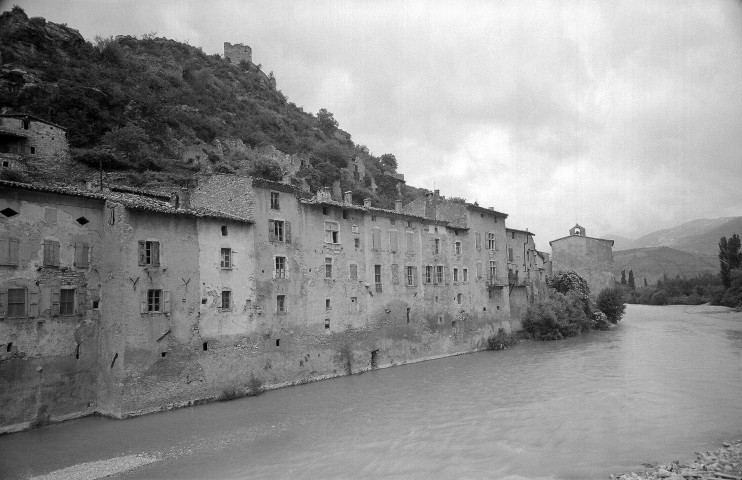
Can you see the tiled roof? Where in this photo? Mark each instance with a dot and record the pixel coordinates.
(582, 236)
(479, 209)
(348, 206)
(129, 200)
(140, 191)
(508, 229)
(270, 184)
(26, 115)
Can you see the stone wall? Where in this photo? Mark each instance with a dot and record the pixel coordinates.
(591, 258)
(237, 53)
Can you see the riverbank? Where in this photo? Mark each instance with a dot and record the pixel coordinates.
(724, 463)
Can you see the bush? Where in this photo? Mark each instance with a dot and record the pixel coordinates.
(610, 302)
(658, 298)
(267, 169)
(565, 282)
(502, 340)
(557, 317)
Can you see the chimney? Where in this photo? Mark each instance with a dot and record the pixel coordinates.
(348, 197)
(323, 194)
(367, 202)
(398, 206)
(431, 201)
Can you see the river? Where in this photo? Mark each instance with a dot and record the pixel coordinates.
(661, 385)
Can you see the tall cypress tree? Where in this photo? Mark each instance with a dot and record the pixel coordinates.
(632, 285)
(724, 262)
(623, 277)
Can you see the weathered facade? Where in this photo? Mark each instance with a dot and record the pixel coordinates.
(125, 302)
(28, 143)
(591, 258)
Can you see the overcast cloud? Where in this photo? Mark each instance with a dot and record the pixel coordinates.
(623, 116)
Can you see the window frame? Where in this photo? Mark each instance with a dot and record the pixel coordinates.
(491, 241)
(457, 247)
(275, 200)
(280, 272)
(23, 303)
(70, 303)
(226, 294)
(281, 304)
(332, 229)
(154, 300)
(328, 268)
(226, 262)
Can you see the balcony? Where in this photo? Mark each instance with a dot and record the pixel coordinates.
(492, 282)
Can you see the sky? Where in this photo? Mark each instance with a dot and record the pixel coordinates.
(624, 117)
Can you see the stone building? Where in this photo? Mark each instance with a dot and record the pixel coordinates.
(591, 258)
(28, 143)
(124, 302)
(523, 276)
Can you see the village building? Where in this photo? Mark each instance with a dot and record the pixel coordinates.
(523, 277)
(591, 258)
(28, 143)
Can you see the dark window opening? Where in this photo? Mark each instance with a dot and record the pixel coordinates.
(453, 324)
(374, 359)
(206, 346)
(357, 242)
(325, 210)
(33, 150)
(9, 347)
(278, 342)
(408, 314)
(82, 220)
(275, 202)
(484, 309)
(327, 303)
(8, 212)
(6, 163)
(96, 304)
(164, 354)
(77, 352)
(498, 307)
(203, 301)
(327, 323)
(224, 231)
(345, 214)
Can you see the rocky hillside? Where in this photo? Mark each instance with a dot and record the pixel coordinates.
(154, 110)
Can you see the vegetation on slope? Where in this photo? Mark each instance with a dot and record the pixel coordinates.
(162, 110)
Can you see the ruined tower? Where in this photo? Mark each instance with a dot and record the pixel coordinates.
(237, 53)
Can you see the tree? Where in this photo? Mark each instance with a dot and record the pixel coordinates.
(631, 283)
(327, 121)
(623, 277)
(565, 282)
(645, 281)
(610, 302)
(389, 161)
(729, 258)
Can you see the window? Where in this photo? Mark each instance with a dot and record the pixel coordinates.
(357, 242)
(325, 211)
(9, 251)
(459, 298)
(225, 232)
(328, 267)
(439, 274)
(327, 304)
(512, 234)
(457, 248)
(393, 241)
(226, 299)
(491, 242)
(377, 277)
(279, 231)
(149, 253)
(428, 274)
(354, 228)
(479, 269)
(226, 262)
(376, 239)
(280, 303)
(455, 274)
(275, 205)
(410, 242)
(280, 267)
(332, 234)
(478, 240)
(82, 255)
(411, 274)
(353, 271)
(437, 245)
(16, 302)
(51, 253)
(354, 305)
(393, 221)
(409, 223)
(395, 274)
(493, 270)
(82, 221)
(8, 212)
(510, 254)
(327, 323)
(465, 275)
(345, 214)
(67, 301)
(154, 300)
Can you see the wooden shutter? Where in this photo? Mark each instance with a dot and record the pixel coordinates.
(155, 254)
(82, 299)
(55, 298)
(84, 261)
(55, 255)
(287, 231)
(142, 256)
(13, 244)
(447, 275)
(47, 253)
(4, 252)
(414, 276)
(143, 301)
(275, 260)
(271, 230)
(394, 240)
(33, 304)
(3, 302)
(377, 238)
(166, 301)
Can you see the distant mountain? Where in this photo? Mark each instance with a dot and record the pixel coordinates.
(621, 243)
(655, 262)
(697, 236)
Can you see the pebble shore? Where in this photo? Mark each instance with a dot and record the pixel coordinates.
(722, 464)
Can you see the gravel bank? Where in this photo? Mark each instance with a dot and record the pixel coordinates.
(99, 469)
(722, 464)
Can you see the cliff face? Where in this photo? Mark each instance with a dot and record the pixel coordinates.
(156, 111)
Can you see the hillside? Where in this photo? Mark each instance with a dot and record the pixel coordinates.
(654, 263)
(154, 111)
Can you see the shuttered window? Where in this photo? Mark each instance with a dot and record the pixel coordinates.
(410, 242)
(376, 239)
(67, 301)
(51, 253)
(149, 253)
(82, 255)
(279, 231)
(393, 241)
(9, 251)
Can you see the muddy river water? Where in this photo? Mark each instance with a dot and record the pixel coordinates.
(660, 386)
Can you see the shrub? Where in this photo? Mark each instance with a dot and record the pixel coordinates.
(14, 176)
(658, 298)
(610, 302)
(502, 340)
(255, 386)
(266, 168)
(565, 282)
(557, 317)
